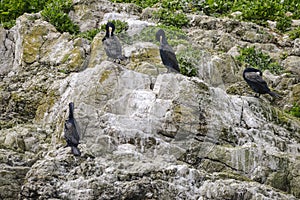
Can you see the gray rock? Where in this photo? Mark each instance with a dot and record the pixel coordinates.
(7, 51)
(291, 64)
(139, 124)
(296, 48)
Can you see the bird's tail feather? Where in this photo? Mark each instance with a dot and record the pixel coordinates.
(121, 57)
(75, 151)
(273, 94)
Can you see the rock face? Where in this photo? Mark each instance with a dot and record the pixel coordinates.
(145, 134)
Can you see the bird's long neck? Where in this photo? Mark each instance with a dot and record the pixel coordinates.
(71, 111)
(163, 40)
(109, 32)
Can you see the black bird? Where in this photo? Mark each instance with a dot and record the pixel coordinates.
(112, 45)
(167, 54)
(72, 132)
(254, 79)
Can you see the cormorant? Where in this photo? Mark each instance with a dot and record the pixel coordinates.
(167, 54)
(112, 45)
(72, 131)
(254, 79)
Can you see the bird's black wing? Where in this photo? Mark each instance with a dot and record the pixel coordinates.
(71, 134)
(113, 47)
(168, 57)
(256, 82)
(255, 77)
(77, 127)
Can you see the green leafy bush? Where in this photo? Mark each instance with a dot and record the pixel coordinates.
(283, 24)
(188, 61)
(170, 13)
(261, 11)
(216, 8)
(171, 18)
(90, 34)
(293, 34)
(257, 59)
(186, 67)
(257, 11)
(56, 13)
(295, 110)
(10, 10)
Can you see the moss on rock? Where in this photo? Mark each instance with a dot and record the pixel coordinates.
(45, 104)
(279, 180)
(32, 43)
(105, 75)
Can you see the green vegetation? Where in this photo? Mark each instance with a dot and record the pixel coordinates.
(171, 13)
(295, 110)
(56, 13)
(171, 18)
(257, 11)
(12, 9)
(252, 57)
(186, 67)
(284, 23)
(294, 33)
(90, 34)
(188, 61)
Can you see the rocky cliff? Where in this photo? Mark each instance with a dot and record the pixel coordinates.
(146, 134)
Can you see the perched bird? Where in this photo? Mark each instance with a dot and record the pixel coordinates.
(111, 43)
(72, 132)
(254, 79)
(167, 54)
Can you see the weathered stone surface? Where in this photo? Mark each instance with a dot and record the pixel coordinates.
(20, 148)
(41, 55)
(88, 14)
(145, 134)
(292, 65)
(6, 50)
(296, 47)
(145, 141)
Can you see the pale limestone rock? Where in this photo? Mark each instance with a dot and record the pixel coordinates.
(291, 63)
(6, 52)
(296, 47)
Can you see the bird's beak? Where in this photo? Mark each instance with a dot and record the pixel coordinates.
(110, 30)
(160, 39)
